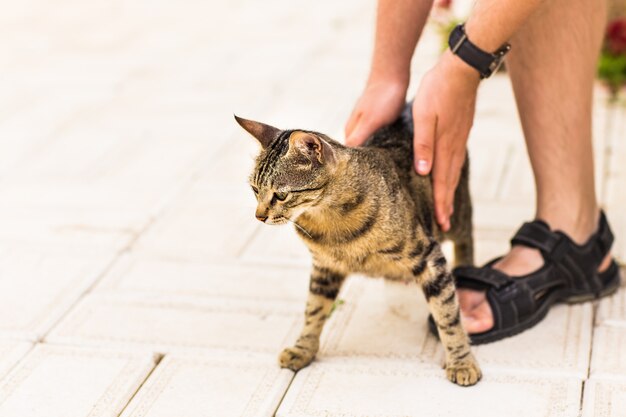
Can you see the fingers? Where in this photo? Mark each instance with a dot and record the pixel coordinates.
(425, 127)
(381, 104)
(351, 123)
(359, 133)
(446, 174)
(440, 190)
(363, 128)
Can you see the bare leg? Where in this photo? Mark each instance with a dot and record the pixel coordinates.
(552, 67)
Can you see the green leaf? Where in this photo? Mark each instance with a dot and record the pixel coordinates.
(612, 70)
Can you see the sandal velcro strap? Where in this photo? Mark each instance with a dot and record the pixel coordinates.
(555, 245)
(472, 277)
(604, 236)
(537, 235)
(489, 277)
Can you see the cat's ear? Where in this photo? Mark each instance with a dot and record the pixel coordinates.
(314, 148)
(265, 134)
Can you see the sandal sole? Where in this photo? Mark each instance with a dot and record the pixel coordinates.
(611, 288)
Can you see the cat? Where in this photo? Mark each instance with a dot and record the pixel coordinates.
(364, 210)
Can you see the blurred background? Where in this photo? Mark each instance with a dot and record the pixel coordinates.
(134, 278)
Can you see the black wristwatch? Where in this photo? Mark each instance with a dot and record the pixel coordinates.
(485, 63)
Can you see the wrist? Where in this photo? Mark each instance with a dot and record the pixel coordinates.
(456, 67)
(484, 39)
(485, 62)
(387, 76)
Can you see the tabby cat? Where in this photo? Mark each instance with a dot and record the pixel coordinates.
(363, 210)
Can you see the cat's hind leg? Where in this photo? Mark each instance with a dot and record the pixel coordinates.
(438, 286)
(462, 231)
(324, 287)
(464, 249)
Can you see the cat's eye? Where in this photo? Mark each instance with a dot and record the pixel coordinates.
(254, 189)
(281, 196)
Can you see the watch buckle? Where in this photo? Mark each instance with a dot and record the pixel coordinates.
(498, 59)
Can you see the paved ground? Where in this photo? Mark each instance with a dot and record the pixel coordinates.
(134, 279)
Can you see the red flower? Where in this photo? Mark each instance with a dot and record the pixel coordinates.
(443, 4)
(616, 36)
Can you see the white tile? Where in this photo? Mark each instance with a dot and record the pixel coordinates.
(59, 213)
(134, 273)
(131, 156)
(615, 153)
(487, 168)
(38, 285)
(166, 323)
(10, 353)
(500, 215)
(486, 249)
(517, 183)
(612, 310)
(499, 101)
(559, 345)
(388, 320)
(604, 398)
(617, 220)
(233, 161)
(609, 352)
(204, 224)
(619, 227)
(55, 381)
(276, 245)
(104, 198)
(27, 102)
(201, 385)
(405, 389)
(379, 319)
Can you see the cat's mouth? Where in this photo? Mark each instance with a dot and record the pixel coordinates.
(275, 221)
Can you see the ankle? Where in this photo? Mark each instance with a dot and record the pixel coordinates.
(578, 225)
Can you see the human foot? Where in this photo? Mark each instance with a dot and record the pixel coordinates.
(476, 314)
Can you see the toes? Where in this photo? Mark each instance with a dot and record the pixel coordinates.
(464, 377)
(470, 299)
(295, 358)
(465, 374)
(474, 325)
(477, 320)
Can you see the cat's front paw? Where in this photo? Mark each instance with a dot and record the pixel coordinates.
(464, 373)
(295, 358)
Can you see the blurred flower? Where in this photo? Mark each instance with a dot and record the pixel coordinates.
(616, 36)
(443, 4)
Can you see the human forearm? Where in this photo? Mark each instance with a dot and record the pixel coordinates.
(399, 24)
(493, 22)
(445, 103)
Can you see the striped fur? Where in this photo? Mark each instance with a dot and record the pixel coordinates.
(364, 210)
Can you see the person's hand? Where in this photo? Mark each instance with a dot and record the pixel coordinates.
(443, 113)
(381, 104)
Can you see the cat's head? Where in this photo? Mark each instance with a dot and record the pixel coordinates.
(291, 172)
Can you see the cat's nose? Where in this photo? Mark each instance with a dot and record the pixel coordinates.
(261, 218)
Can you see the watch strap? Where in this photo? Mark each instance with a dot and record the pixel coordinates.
(484, 62)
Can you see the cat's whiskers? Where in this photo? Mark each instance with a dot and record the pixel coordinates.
(298, 226)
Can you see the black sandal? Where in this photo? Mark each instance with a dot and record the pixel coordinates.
(569, 274)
